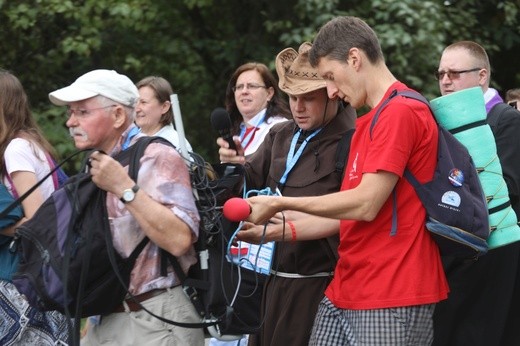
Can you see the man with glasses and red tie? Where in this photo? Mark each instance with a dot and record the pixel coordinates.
(483, 307)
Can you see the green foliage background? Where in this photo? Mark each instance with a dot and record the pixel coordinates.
(197, 44)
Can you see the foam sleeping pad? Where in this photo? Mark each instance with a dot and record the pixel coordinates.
(465, 107)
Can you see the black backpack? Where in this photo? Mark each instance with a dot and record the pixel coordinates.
(457, 214)
(66, 248)
(212, 283)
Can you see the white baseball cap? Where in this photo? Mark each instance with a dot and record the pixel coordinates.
(107, 83)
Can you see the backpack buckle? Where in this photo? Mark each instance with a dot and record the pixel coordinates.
(190, 292)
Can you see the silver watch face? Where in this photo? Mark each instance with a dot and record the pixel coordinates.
(128, 195)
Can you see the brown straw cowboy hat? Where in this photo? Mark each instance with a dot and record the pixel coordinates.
(295, 73)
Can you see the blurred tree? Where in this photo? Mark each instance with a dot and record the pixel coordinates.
(197, 44)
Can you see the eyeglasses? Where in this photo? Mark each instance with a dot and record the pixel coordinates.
(250, 86)
(439, 75)
(82, 113)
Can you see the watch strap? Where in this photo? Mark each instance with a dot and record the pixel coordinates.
(134, 189)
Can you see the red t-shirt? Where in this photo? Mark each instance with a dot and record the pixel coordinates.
(377, 269)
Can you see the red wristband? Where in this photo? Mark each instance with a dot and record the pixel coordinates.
(293, 230)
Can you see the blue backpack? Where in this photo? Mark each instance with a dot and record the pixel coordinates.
(455, 203)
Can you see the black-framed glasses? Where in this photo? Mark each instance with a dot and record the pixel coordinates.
(249, 86)
(453, 74)
(513, 104)
(82, 112)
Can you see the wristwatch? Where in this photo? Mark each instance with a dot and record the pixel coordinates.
(129, 194)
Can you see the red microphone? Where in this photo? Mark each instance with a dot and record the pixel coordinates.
(236, 209)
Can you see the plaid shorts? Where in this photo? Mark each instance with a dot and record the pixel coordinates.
(402, 326)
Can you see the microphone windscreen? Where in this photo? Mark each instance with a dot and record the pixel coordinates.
(220, 120)
(236, 209)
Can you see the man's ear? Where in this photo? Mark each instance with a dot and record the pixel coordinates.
(120, 116)
(354, 58)
(483, 77)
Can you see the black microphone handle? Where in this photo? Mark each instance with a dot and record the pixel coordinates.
(222, 123)
(229, 138)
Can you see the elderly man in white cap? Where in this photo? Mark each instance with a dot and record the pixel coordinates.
(300, 158)
(100, 108)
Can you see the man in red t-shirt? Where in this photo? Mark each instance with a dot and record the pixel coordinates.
(385, 284)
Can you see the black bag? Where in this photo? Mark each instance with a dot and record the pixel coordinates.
(233, 294)
(65, 246)
(457, 213)
(227, 302)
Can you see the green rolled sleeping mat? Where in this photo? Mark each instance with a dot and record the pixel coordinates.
(460, 109)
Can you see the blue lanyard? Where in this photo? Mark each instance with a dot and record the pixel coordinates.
(293, 157)
(131, 134)
(245, 141)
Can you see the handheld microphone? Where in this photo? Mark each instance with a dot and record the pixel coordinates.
(221, 122)
(236, 209)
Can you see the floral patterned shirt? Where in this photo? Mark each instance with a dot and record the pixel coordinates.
(164, 176)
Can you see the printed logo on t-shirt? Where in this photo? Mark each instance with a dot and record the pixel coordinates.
(353, 172)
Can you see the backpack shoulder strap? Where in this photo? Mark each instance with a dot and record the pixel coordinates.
(20, 199)
(406, 93)
(496, 113)
(133, 154)
(409, 94)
